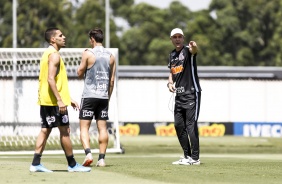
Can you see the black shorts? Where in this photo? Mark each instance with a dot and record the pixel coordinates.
(187, 107)
(94, 108)
(51, 117)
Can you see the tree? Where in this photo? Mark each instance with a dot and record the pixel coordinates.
(89, 15)
(248, 32)
(147, 42)
(232, 33)
(33, 18)
(6, 36)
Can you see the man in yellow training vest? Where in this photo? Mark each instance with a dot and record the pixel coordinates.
(53, 98)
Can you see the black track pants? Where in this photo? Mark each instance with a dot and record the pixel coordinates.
(185, 117)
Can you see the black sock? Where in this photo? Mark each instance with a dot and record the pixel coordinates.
(101, 156)
(36, 159)
(87, 150)
(71, 160)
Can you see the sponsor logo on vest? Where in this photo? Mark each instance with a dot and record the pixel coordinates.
(98, 77)
(101, 86)
(102, 72)
(87, 113)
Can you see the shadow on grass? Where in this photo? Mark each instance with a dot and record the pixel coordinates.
(60, 170)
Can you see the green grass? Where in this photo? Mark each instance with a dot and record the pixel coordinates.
(147, 159)
(226, 144)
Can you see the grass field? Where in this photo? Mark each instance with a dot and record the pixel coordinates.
(147, 159)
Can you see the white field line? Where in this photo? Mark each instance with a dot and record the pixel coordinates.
(241, 156)
(56, 152)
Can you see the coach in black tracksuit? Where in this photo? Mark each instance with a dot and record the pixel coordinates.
(184, 81)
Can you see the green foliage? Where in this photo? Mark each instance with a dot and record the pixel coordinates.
(231, 33)
(6, 38)
(89, 15)
(247, 30)
(33, 17)
(120, 7)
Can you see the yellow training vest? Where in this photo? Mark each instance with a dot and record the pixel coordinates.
(45, 93)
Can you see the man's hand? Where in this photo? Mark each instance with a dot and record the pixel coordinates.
(171, 87)
(62, 107)
(74, 104)
(193, 48)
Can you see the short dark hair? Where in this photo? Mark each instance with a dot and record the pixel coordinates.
(49, 33)
(97, 34)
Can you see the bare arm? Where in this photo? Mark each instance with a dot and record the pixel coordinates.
(170, 83)
(193, 48)
(112, 76)
(83, 65)
(53, 66)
